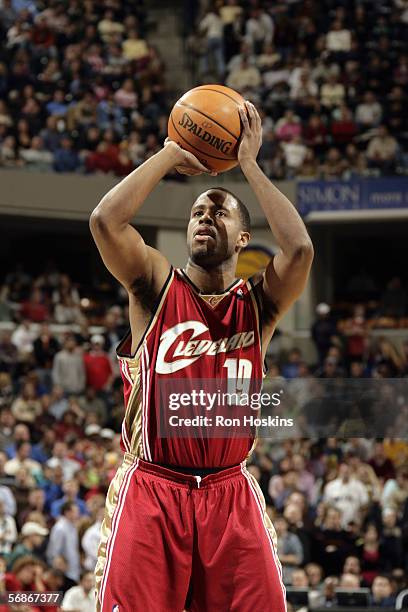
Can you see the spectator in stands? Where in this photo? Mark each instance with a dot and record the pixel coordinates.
(348, 494)
(290, 549)
(332, 92)
(211, 27)
(245, 78)
(368, 112)
(338, 41)
(31, 542)
(70, 489)
(68, 370)
(8, 531)
(259, 29)
(26, 407)
(65, 158)
(382, 151)
(98, 367)
(381, 593)
(22, 459)
(81, 597)
(63, 540)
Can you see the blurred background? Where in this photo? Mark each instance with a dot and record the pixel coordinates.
(86, 88)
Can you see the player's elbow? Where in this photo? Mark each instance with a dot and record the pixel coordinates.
(303, 252)
(99, 221)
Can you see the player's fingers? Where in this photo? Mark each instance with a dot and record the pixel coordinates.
(244, 118)
(187, 171)
(250, 109)
(257, 116)
(194, 163)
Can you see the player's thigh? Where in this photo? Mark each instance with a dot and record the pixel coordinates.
(148, 554)
(235, 565)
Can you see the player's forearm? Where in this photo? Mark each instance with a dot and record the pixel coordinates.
(123, 201)
(283, 218)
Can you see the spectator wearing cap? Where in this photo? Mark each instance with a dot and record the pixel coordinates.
(81, 597)
(70, 488)
(68, 369)
(64, 541)
(31, 541)
(98, 367)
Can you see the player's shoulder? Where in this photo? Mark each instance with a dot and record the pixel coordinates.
(266, 305)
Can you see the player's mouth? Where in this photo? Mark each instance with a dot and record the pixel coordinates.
(203, 234)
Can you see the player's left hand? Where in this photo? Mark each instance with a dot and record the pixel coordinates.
(251, 137)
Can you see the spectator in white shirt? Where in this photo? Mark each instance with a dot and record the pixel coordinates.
(347, 494)
(81, 598)
(369, 112)
(332, 93)
(259, 29)
(382, 150)
(90, 541)
(338, 39)
(212, 28)
(295, 153)
(244, 78)
(8, 531)
(23, 339)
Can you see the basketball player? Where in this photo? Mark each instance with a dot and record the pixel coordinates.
(185, 514)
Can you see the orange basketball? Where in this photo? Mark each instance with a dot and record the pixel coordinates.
(206, 122)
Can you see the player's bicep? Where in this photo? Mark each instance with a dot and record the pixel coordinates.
(125, 253)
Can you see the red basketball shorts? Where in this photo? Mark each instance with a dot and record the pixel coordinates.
(164, 531)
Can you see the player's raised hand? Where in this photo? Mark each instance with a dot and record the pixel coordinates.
(251, 137)
(185, 162)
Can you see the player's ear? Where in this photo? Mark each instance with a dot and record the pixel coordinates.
(243, 239)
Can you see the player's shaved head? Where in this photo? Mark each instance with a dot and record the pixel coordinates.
(219, 194)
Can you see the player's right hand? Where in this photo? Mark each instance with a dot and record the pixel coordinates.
(186, 162)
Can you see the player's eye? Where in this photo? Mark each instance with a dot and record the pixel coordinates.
(220, 213)
(198, 213)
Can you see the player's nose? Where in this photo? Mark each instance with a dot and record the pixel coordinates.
(206, 218)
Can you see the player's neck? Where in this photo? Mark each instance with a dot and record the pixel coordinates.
(212, 280)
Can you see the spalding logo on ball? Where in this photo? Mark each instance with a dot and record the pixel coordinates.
(206, 122)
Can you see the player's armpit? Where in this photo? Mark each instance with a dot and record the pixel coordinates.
(125, 253)
(285, 278)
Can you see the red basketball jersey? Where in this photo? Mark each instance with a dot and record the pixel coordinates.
(191, 337)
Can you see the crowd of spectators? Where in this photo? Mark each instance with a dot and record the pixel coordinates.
(339, 503)
(330, 78)
(81, 89)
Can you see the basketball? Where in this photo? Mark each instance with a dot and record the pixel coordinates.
(206, 122)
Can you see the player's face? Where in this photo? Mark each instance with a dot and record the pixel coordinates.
(215, 230)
